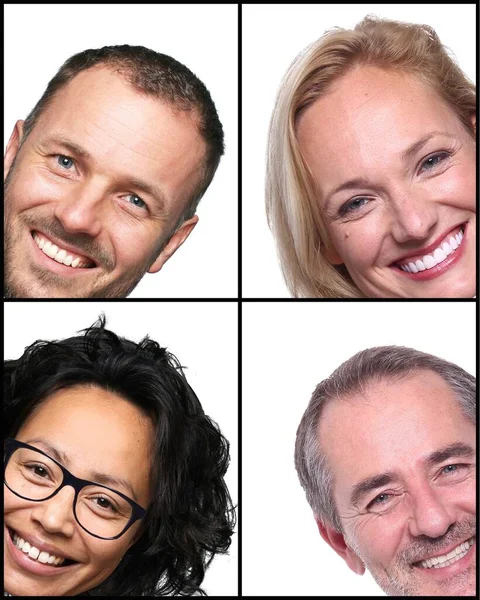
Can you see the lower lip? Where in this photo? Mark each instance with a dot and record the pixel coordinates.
(29, 564)
(53, 265)
(453, 569)
(445, 265)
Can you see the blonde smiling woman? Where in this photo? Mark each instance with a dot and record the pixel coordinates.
(370, 186)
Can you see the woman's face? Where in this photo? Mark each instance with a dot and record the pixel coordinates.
(97, 432)
(394, 172)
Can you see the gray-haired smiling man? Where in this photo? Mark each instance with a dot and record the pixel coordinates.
(386, 455)
(103, 178)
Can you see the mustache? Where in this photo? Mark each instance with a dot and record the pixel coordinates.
(81, 241)
(426, 546)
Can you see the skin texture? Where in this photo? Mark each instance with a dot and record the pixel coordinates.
(360, 129)
(91, 203)
(393, 427)
(98, 430)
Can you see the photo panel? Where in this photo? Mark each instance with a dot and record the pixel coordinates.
(158, 150)
(339, 147)
(288, 348)
(203, 337)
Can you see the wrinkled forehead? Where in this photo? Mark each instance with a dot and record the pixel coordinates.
(390, 426)
(125, 130)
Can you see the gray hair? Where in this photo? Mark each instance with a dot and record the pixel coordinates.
(373, 364)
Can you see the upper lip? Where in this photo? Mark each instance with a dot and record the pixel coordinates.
(33, 540)
(64, 246)
(429, 248)
(443, 552)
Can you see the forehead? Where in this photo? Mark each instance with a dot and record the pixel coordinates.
(97, 430)
(392, 426)
(125, 130)
(368, 114)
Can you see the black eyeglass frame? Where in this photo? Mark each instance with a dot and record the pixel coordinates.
(138, 512)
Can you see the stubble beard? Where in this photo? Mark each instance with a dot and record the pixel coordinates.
(46, 284)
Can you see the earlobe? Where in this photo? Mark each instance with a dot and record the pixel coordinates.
(336, 540)
(173, 244)
(12, 147)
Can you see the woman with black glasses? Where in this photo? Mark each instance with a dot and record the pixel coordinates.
(113, 474)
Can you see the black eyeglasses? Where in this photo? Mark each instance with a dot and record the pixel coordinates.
(100, 511)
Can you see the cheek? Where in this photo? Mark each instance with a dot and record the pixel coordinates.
(359, 243)
(31, 187)
(459, 189)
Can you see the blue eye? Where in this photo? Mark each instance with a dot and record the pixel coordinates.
(64, 161)
(136, 201)
(380, 499)
(353, 205)
(433, 161)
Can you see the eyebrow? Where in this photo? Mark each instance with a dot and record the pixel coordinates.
(153, 190)
(96, 476)
(361, 489)
(406, 155)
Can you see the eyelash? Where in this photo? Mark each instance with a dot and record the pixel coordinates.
(59, 157)
(459, 467)
(349, 205)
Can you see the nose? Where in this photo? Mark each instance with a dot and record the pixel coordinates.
(413, 216)
(82, 210)
(432, 516)
(56, 515)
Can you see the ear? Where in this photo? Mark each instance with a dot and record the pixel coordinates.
(12, 147)
(174, 242)
(473, 119)
(336, 541)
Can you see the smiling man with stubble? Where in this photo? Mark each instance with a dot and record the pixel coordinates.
(103, 178)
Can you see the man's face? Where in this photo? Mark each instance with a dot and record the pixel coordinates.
(100, 437)
(103, 177)
(413, 434)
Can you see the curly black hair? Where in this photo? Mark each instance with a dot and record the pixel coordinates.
(191, 516)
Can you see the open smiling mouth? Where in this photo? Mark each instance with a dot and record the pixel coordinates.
(445, 560)
(37, 555)
(60, 255)
(448, 247)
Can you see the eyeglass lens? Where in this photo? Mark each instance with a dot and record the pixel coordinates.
(34, 476)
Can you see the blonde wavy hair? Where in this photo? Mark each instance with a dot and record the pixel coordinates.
(292, 210)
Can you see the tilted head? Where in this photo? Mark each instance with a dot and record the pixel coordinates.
(386, 455)
(122, 414)
(122, 146)
(348, 107)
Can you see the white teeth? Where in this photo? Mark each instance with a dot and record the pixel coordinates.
(412, 267)
(34, 553)
(439, 562)
(453, 243)
(59, 255)
(429, 261)
(446, 248)
(420, 266)
(439, 255)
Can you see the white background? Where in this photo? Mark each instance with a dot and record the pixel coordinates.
(39, 38)
(273, 35)
(288, 348)
(202, 335)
